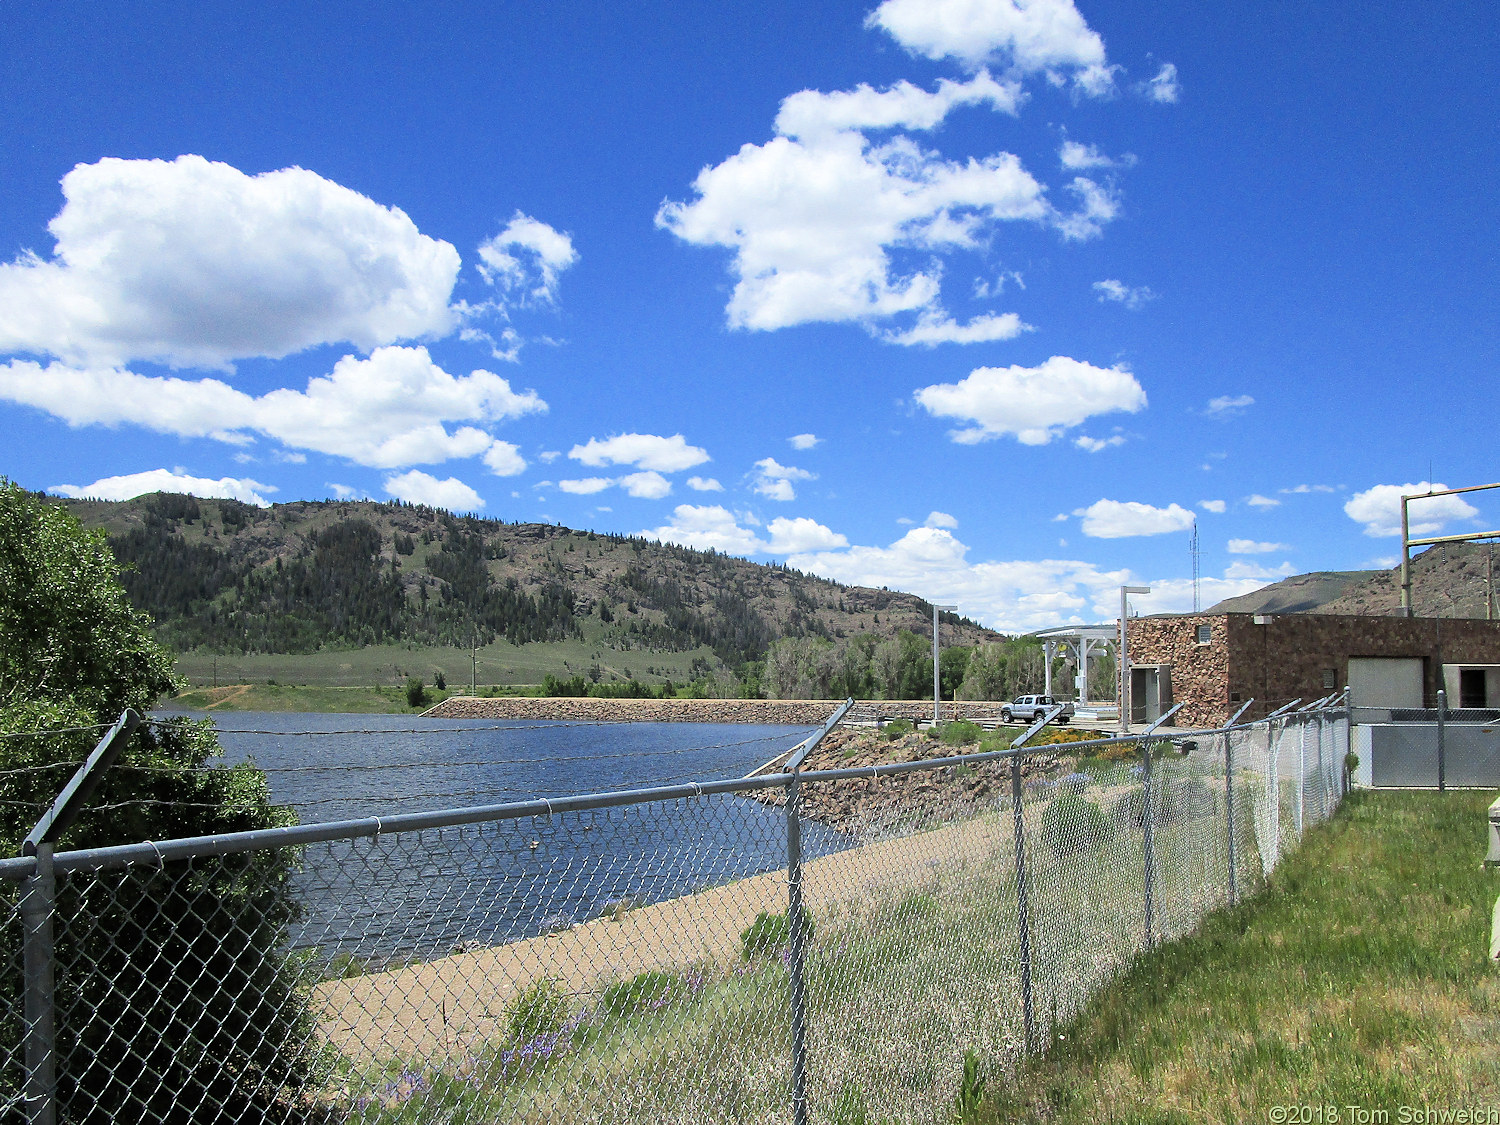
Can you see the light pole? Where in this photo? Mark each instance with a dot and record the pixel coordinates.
(936, 685)
(1125, 700)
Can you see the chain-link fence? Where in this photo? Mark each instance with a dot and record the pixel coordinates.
(824, 945)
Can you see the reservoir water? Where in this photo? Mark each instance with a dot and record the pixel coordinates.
(418, 895)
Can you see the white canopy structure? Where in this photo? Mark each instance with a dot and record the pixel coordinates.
(1082, 640)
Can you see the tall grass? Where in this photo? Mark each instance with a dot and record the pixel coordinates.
(1359, 978)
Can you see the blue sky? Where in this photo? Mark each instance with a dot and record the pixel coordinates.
(988, 300)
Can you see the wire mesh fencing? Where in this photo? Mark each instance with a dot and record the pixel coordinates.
(816, 945)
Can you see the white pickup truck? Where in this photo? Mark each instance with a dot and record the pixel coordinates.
(1029, 708)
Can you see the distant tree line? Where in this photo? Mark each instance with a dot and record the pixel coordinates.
(866, 666)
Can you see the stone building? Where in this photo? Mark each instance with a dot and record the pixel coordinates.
(1215, 662)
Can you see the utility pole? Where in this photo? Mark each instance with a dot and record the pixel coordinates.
(1125, 700)
(473, 666)
(1407, 542)
(936, 676)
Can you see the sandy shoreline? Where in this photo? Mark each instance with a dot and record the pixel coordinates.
(448, 1007)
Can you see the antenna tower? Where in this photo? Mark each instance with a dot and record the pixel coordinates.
(1193, 550)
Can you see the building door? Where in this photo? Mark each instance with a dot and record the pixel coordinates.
(1150, 692)
(1471, 691)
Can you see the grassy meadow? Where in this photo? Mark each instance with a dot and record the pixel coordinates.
(372, 680)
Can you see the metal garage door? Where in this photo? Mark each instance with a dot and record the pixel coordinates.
(1381, 681)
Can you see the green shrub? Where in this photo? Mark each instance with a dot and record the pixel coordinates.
(960, 733)
(195, 1012)
(541, 1009)
(897, 728)
(970, 1098)
(1071, 825)
(416, 691)
(771, 933)
(642, 992)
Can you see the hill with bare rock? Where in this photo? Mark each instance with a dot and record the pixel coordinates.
(307, 576)
(1302, 593)
(1448, 580)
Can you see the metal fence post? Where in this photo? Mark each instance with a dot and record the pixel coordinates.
(1273, 785)
(796, 966)
(1023, 906)
(1301, 772)
(38, 904)
(38, 910)
(1322, 788)
(1150, 838)
(1442, 710)
(1234, 895)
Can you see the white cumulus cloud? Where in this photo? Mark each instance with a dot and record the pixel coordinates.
(1032, 404)
(1132, 297)
(1049, 36)
(774, 480)
(789, 536)
(1215, 506)
(707, 526)
(646, 485)
(704, 484)
(417, 487)
(1080, 157)
(804, 441)
(193, 263)
(940, 519)
(1096, 445)
(388, 411)
(1012, 595)
(1117, 519)
(932, 329)
(1379, 509)
(131, 485)
(810, 113)
(1226, 406)
(504, 459)
(1252, 547)
(587, 486)
(1264, 503)
(526, 258)
(812, 224)
(644, 451)
(1164, 87)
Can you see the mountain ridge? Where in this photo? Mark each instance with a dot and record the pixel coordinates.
(309, 575)
(1448, 580)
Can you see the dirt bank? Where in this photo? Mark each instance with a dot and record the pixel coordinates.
(450, 1006)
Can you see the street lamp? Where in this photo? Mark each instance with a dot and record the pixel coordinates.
(936, 690)
(1125, 700)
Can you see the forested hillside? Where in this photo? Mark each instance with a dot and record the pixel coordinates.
(295, 578)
